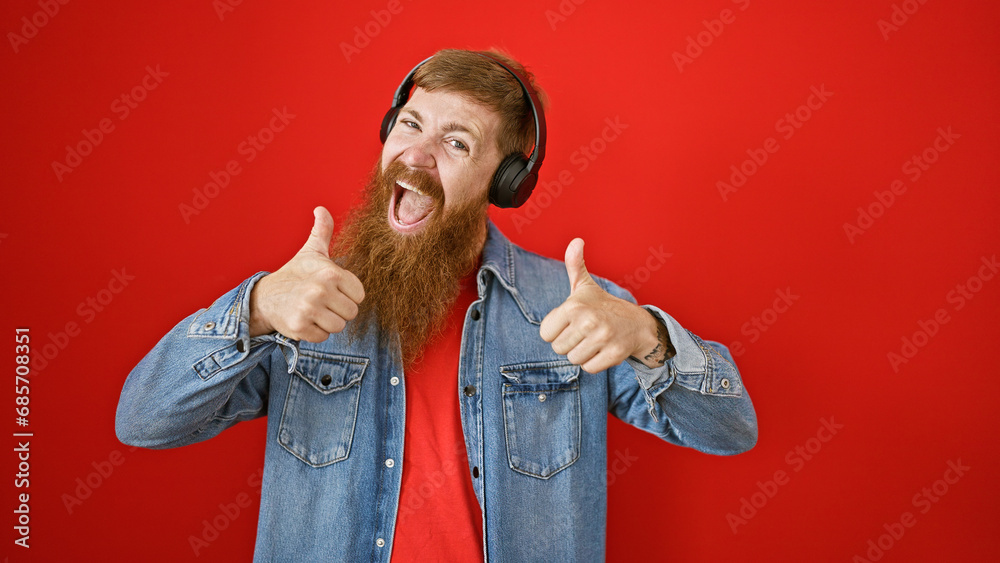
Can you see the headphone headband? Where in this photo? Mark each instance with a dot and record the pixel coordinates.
(538, 151)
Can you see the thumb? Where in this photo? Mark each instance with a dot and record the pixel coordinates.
(575, 267)
(322, 232)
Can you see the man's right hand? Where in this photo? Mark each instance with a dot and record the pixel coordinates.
(310, 297)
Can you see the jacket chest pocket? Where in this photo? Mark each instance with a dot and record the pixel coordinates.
(541, 416)
(321, 407)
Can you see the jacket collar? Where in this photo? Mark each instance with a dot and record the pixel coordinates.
(498, 257)
(536, 284)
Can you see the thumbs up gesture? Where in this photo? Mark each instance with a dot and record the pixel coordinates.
(310, 297)
(593, 328)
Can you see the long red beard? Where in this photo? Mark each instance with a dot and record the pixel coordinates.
(410, 281)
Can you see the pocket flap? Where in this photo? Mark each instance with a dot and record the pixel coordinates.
(327, 373)
(541, 373)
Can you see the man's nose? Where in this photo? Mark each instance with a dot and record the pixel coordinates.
(420, 154)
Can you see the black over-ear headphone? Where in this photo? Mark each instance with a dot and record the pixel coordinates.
(517, 174)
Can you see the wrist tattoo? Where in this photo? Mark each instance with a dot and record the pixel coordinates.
(664, 350)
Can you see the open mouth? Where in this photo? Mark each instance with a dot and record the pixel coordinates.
(409, 208)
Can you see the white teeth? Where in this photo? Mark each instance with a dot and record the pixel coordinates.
(409, 187)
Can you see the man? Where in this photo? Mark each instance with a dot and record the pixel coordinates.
(373, 451)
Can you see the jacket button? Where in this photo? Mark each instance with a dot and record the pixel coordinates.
(380, 542)
(240, 347)
(541, 397)
(475, 472)
(725, 384)
(394, 380)
(209, 326)
(389, 462)
(475, 314)
(469, 390)
(326, 380)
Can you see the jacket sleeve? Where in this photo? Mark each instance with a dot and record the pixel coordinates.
(696, 399)
(204, 376)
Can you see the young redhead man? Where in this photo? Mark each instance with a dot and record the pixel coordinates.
(434, 392)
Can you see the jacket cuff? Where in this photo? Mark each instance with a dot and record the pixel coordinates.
(228, 318)
(697, 366)
(688, 357)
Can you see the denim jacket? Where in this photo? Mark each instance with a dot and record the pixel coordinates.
(535, 425)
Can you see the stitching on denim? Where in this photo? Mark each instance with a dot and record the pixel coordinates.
(297, 378)
(533, 468)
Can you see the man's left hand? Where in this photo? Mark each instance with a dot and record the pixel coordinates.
(597, 330)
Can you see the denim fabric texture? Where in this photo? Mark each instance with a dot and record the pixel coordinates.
(535, 425)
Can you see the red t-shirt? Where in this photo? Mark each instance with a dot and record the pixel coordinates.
(439, 517)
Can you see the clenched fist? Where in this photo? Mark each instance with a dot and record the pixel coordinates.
(597, 330)
(310, 297)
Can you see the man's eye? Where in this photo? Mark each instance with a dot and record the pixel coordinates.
(459, 145)
(412, 124)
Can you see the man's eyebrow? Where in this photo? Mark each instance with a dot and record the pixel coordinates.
(449, 127)
(455, 126)
(414, 112)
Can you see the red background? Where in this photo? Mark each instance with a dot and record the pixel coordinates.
(654, 185)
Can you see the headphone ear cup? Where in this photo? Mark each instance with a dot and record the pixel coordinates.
(387, 122)
(524, 189)
(509, 187)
